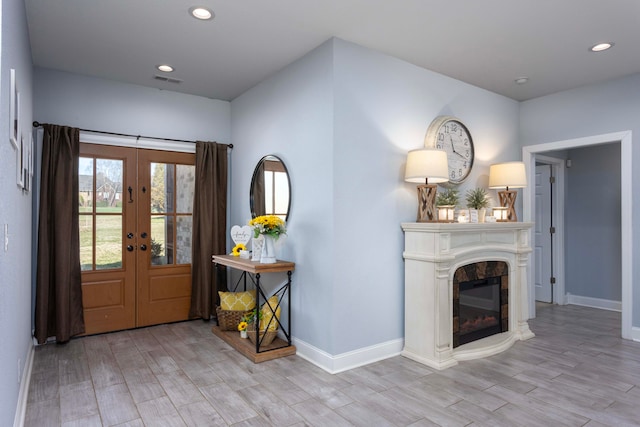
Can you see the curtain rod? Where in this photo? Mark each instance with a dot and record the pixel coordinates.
(37, 124)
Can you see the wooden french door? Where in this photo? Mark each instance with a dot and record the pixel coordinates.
(135, 236)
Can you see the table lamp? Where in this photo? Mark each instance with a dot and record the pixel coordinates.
(505, 175)
(430, 166)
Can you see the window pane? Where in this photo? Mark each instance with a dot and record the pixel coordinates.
(108, 242)
(162, 187)
(268, 192)
(183, 239)
(185, 184)
(109, 175)
(162, 246)
(85, 178)
(281, 184)
(86, 242)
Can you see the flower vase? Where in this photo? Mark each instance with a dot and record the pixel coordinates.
(268, 255)
(243, 334)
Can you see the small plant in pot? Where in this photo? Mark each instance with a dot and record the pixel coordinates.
(446, 202)
(478, 199)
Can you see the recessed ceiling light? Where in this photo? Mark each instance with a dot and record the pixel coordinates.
(601, 46)
(165, 68)
(521, 80)
(201, 12)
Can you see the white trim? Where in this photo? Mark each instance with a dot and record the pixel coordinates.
(626, 203)
(635, 333)
(136, 142)
(603, 304)
(23, 395)
(349, 360)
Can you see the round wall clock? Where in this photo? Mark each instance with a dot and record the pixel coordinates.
(450, 134)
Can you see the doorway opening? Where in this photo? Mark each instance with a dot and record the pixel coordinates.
(530, 154)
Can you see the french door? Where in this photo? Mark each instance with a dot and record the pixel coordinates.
(135, 236)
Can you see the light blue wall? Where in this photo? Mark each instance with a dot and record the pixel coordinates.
(592, 223)
(612, 106)
(15, 211)
(291, 115)
(97, 104)
(344, 118)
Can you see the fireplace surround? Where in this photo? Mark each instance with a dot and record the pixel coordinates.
(433, 253)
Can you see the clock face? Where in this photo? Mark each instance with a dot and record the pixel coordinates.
(454, 137)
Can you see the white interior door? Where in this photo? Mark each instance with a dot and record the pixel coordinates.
(543, 243)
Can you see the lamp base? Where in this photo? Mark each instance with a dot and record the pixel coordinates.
(508, 200)
(427, 202)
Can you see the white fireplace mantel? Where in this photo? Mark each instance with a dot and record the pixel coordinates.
(432, 254)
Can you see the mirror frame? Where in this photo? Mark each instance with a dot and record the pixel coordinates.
(254, 178)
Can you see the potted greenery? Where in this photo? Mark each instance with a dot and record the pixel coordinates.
(446, 202)
(478, 199)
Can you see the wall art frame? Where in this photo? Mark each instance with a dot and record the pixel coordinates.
(14, 112)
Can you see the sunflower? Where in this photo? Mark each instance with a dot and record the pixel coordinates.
(242, 326)
(237, 248)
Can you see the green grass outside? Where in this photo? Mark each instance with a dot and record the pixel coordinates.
(109, 237)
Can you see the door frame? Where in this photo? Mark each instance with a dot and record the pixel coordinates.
(557, 216)
(529, 154)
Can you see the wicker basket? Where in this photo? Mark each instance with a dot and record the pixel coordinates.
(228, 319)
(269, 336)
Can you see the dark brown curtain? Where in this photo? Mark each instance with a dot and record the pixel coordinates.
(58, 284)
(209, 227)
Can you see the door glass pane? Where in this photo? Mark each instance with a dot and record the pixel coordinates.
(183, 239)
(85, 178)
(109, 175)
(162, 245)
(108, 242)
(86, 242)
(185, 184)
(162, 187)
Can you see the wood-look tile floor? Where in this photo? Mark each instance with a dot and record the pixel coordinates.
(575, 372)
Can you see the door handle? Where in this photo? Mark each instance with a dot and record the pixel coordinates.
(143, 235)
(130, 235)
(130, 248)
(143, 247)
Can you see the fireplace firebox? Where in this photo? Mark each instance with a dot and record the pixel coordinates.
(480, 301)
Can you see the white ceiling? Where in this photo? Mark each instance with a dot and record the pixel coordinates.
(487, 43)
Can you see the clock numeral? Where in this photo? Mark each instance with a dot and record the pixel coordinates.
(466, 141)
(454, 127)
(453, 174)
(459, 172)
(467, 154)
(441, 136)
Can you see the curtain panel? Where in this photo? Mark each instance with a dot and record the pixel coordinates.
(58, 311)
(209, 227)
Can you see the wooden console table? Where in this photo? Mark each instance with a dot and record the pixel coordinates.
(279, 347)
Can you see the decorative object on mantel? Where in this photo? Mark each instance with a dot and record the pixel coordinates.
(238, 248)
(478, 199)
(430, 166)
(270, 227)
(446, 202)
(505, 175)
(500, 213)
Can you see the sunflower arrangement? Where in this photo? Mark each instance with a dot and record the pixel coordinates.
(237, 248)
(242, 326)
(271, 225)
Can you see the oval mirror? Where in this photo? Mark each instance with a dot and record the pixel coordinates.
(270, 192)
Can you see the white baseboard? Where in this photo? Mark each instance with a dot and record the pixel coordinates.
(603, 304)
(352, 359)
(635, 333)
(21, 408)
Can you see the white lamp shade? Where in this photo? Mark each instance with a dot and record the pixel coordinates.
(427, 163)
(510, 174)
